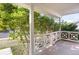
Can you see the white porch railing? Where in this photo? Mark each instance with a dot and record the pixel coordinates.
(69, 35)
(47, 40)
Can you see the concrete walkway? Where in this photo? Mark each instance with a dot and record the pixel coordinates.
(6, 51)
(62, 48)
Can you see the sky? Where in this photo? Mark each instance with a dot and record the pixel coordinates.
(72, 18)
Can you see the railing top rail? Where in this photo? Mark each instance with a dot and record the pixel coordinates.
(66, 31)
(70, 31)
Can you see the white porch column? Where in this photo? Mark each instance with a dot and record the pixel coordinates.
(31, 23)
(59, 35)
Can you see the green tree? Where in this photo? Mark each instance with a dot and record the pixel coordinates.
(68, 26)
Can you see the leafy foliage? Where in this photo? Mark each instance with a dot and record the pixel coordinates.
(69, 27)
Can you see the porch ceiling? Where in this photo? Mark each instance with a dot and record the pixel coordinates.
(57, 9)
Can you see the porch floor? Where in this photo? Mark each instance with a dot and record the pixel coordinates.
(62, 48)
